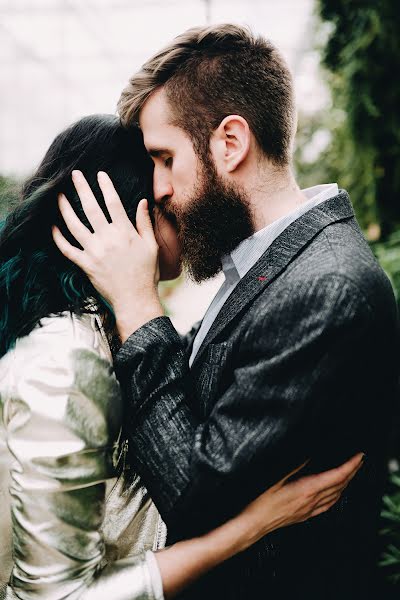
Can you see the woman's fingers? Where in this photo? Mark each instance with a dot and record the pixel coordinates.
(324, 498)
(324, 507)
(297, 501)
(303, 497)
(338, 476)
(334, 479)
(91, 208)
(67, 249)
(330, 496)
(79, 231)
(144, 224)
(334, 490)
(341, 485)
(112, 200)
(289, 475)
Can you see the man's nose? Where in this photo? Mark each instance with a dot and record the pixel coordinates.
(162, 188)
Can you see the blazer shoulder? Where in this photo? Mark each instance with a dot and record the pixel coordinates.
(341, 252)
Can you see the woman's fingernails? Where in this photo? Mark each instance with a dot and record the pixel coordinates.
(101, 174)
(76, 174)
(61, 197)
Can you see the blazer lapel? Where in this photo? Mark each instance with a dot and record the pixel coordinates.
(276, 258)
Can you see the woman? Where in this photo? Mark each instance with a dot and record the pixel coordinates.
(70, 528)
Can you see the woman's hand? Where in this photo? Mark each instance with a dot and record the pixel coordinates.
(120, 260)
(281, 505)
(287, 503)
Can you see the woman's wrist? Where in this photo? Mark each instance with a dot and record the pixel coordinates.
(240, 532)
(184, 562)
(129, 318)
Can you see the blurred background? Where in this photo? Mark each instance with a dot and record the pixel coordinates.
(62, 59)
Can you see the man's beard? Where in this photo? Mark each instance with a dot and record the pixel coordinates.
(214, 220)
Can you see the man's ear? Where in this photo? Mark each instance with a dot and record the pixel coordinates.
(230, 143)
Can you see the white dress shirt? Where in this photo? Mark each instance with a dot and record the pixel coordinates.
(244, 257)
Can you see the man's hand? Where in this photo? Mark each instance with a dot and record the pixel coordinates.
(120, 261)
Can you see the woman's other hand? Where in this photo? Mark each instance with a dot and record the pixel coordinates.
(283, 504)
(289, 502)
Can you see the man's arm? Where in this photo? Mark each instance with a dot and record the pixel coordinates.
(284, 378)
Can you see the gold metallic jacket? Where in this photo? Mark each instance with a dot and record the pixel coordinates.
(67, 527)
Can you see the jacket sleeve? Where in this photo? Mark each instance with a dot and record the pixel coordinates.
(261, 426)
(61, 423)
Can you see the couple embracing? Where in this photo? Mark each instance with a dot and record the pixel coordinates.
(137, 464)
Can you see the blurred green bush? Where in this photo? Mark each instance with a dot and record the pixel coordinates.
(9, 194)
(390, 533)
(359, 42)
(361, 58)
(388, 254)
(361, 131)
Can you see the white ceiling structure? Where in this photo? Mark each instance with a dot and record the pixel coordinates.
(61, 59)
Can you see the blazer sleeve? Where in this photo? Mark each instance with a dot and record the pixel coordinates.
(283, 373)
(61, 421)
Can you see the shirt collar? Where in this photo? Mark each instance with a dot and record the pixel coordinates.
(229, 269)
(236, 264)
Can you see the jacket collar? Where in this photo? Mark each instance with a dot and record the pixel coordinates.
(246, 254)
(276, 258)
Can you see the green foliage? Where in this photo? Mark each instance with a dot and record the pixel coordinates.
(390, 533)
(339, 161)
(166, 290)
(388, 254)
(362, 61)
(9, 195)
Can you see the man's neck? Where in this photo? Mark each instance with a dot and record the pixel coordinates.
(274, 196)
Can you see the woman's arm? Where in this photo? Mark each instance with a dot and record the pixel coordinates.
(281, 505)
(62, 418)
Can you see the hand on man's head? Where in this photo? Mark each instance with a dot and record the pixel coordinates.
(120, 260)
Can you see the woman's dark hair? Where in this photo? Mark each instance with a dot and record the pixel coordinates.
(36, 280)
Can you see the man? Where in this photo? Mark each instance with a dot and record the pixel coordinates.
(294, 359)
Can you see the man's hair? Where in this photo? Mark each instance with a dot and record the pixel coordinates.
(209, 73)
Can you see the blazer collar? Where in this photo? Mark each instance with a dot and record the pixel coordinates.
(276, 258)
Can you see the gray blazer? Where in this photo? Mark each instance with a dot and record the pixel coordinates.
(299, 364)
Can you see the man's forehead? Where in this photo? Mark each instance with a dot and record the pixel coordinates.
(157, 139)
(160, 139)
(154, 111)
(154, 122)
